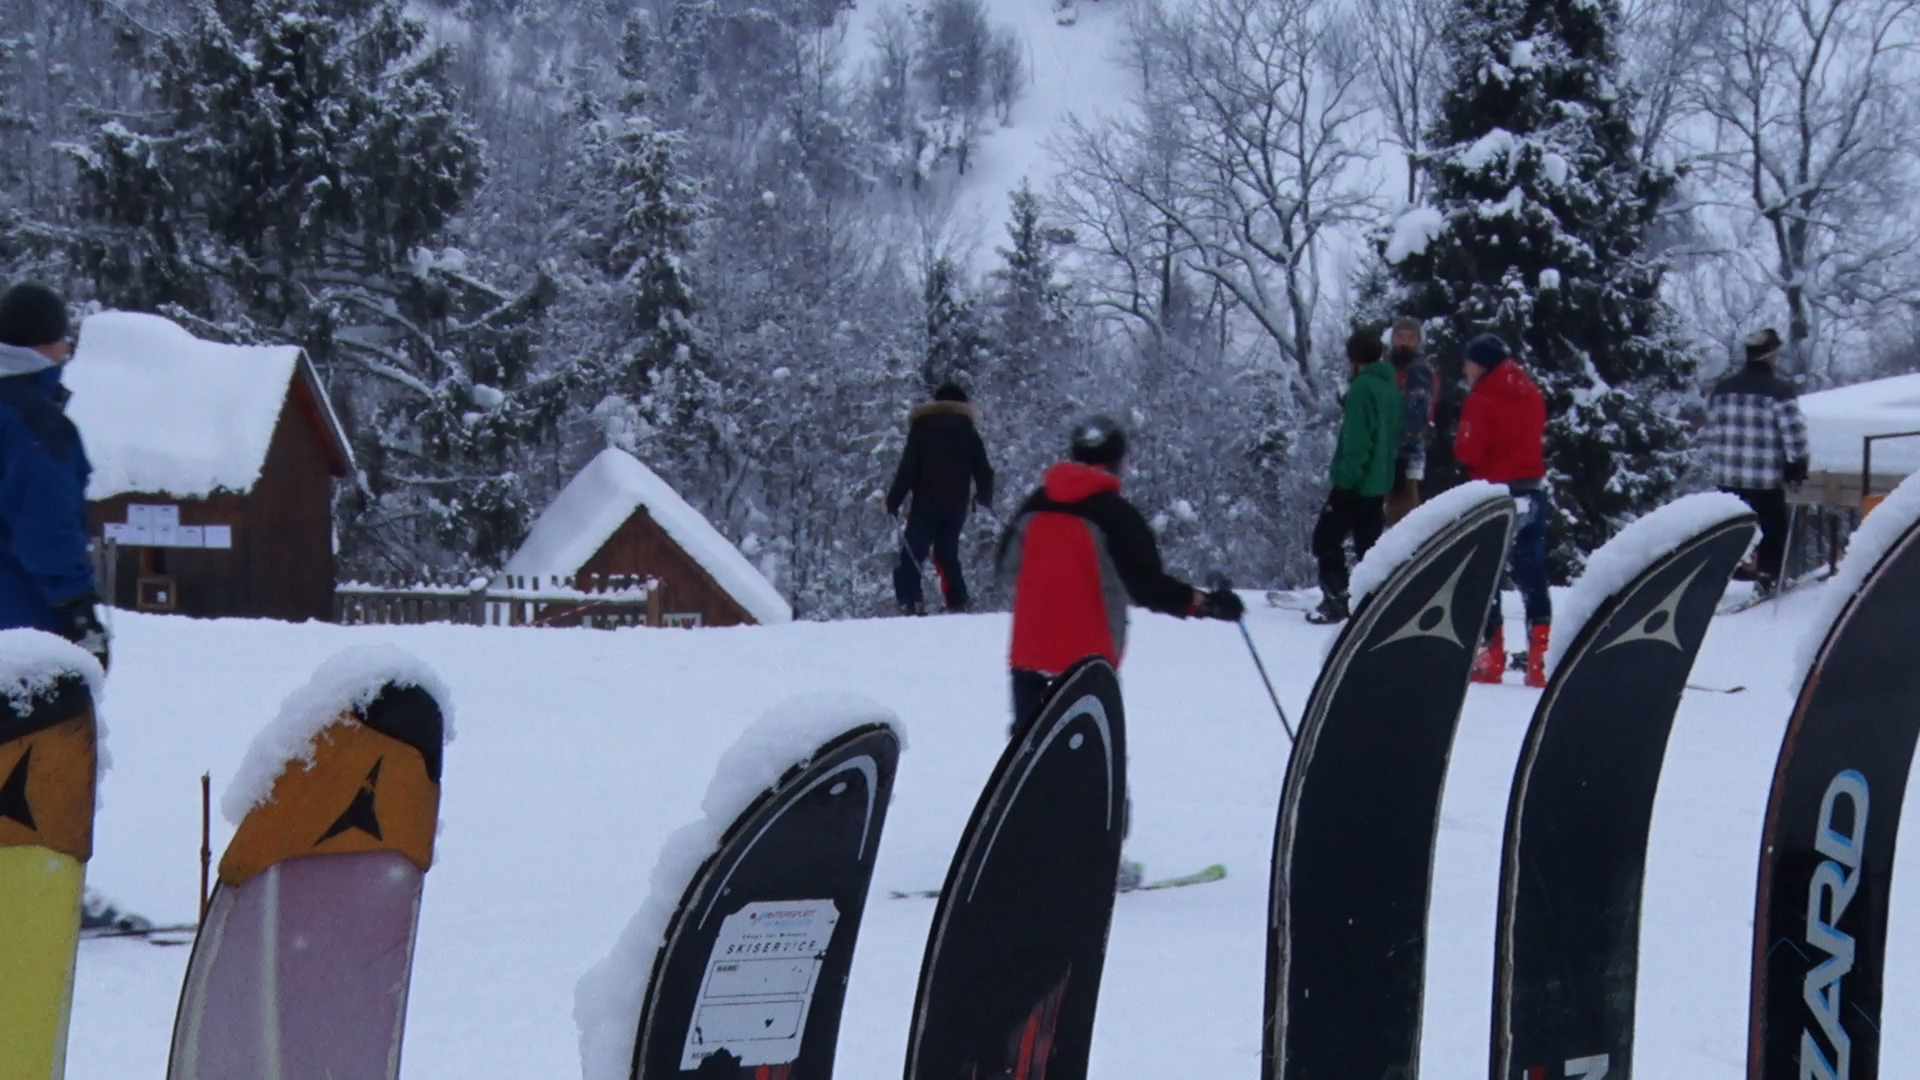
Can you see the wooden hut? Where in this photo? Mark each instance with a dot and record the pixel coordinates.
(617, 518)
(213, 470)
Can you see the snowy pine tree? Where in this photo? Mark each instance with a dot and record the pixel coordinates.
(955, 345)
(1537, 231)
(295, 181)
(1034, 309)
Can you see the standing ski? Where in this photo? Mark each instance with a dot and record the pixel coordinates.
(1011, 977)
(303, 965)
(1826, 853)
(1567, 941)
(752, 969)
(48, 764)
(1354, 846)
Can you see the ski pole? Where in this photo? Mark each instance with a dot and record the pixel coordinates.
(1220, 582)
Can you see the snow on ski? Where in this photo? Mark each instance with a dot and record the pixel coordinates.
(303, 965)
(1011, 977)
(49, 768)
(1359, 812)
(1574, 856)
(1827, 850)
(737, 962)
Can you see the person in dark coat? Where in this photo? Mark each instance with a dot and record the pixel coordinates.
(944, 469)
(1419, 387)
(1756, 443)
(46, 576)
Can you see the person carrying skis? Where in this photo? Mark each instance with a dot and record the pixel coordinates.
(46, 575)
(1502, 440)
(943, 468)
(1363, 466)
(1419, 386)
(1076, 552)
(1756, 443)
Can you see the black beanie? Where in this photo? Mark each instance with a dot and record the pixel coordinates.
(1763, 346)
(32, 316)
(1098, 440)
(950, 391)
(1487, 351)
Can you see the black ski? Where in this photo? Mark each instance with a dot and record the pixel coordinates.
(1354, 847)
(753, 972)
(1011, 977)
(1827, 849)
(1566, 949)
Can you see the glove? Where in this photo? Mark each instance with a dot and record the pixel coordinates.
(81, 626)
(1795, 473)
(1222, 604)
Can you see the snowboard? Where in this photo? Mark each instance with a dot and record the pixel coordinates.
(1566, 949)
(48, 766)
(1827, 846)
(1353, 850)
(303, 963)
(1011, 977)
(753, 968)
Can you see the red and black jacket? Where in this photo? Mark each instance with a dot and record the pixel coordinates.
(1077, 551)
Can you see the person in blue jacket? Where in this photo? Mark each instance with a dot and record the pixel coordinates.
(46, 577)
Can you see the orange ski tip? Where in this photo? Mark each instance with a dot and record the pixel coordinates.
(363, 790)
(47, 779)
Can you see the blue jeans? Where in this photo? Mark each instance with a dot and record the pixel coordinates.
(1527, 563)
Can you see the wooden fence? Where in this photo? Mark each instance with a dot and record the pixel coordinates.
(603, 601)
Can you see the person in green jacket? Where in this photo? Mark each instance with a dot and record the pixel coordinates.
(1362, 471)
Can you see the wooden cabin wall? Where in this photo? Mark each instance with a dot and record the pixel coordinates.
(641, 546)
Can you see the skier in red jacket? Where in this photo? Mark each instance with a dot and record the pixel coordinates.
(1502, 437)
(1077, 551)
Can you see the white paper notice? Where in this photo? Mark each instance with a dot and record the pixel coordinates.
(115, 532)
(759, 983)
(151, 514)
(218, 536)
(190, 536)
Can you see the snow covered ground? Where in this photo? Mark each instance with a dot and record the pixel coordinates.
(579, 751)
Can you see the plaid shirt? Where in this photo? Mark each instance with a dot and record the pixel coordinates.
(1754, 429)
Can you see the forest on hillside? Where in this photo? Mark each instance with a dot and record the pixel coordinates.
(718, 233)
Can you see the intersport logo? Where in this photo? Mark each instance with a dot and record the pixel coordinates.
(1831, 888)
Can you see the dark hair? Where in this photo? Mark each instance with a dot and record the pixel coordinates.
(32, 316)
(950, 391)
(1098, 440)
(1363, 346)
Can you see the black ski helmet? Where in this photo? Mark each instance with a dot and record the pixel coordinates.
(1098, 440)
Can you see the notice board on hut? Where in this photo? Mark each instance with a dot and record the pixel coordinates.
(213, 470)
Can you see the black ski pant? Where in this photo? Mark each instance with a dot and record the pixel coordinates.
(1770, 506)
(939, 534)
(1346, 514)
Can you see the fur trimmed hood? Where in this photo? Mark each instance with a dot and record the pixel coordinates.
(944, 408)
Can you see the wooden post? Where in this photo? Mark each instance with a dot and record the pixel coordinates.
(654, 615)
(206, 839)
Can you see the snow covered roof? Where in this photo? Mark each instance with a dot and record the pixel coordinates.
(1838, 419)
(593, 506)
(163, 412)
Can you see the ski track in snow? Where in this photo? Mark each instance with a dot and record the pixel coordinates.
(581, 751)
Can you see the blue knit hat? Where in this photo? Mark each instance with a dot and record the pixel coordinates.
(1487, 351)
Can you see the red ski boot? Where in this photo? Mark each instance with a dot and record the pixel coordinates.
(1491, 665)
(1537, 655)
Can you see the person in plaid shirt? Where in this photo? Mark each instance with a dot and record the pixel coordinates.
(1756, 445)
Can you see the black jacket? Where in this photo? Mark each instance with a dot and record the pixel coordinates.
(944, 465)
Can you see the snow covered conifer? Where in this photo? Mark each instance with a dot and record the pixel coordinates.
(953, 328)
(1032, 303)
(1537, 230)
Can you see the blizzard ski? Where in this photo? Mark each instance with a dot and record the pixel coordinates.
(1566, 949)
(1011, 977)
(48, 766)
(1359, 811)
(751, 974)
(1827, 845)
(303, 964)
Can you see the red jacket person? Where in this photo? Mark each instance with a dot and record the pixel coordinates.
(1077, 551)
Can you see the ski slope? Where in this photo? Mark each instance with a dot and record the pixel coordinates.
(579, 751)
